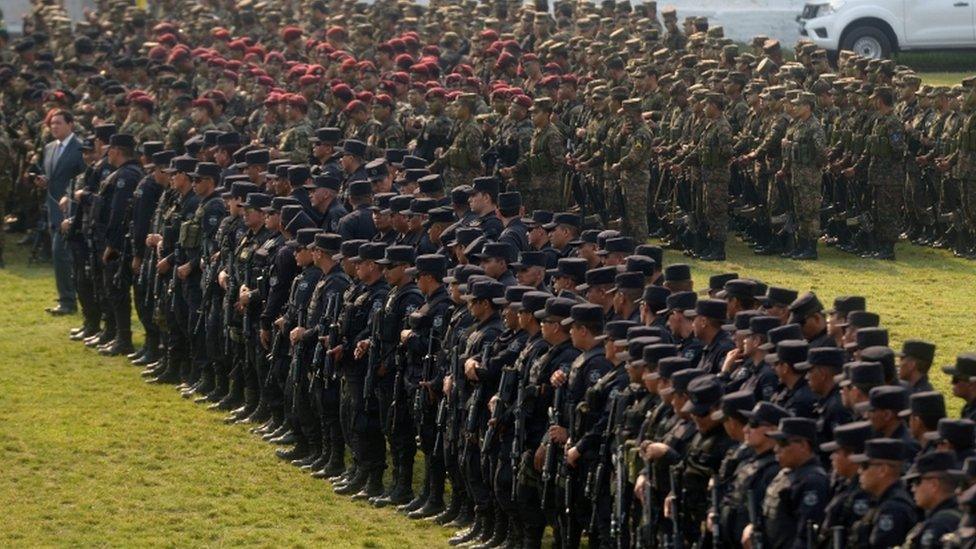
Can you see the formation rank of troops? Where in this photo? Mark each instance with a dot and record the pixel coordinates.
(377, 231)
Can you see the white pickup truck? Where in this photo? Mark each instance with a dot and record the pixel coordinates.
(878, 28)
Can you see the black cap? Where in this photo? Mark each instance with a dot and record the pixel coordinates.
(804, 306)
(849, 436)
(767, 413)
(714, 309)
(939, 461)
(432, 264)
(681, 379)
(960, 433)
(557, 309)
(846, 304)
(617, 329)
(538, 217)
(240, 189)
(635, 347)
(509, 202)
(735, 404)
(589, 236)
(299, 222)
(918, 349)
(965, 366)
(279, 202)
(399, 203)
(654, 252)
(298, 174)
(926, 404)
(329, 136)
(377, 170)
(599, 276)
(528, 259)
(829, 357)
(795, 427)
(704, 393)
(104, 132)
(464, 236)
(502, 250)
(371, 251)
(206, 169)
(618, 245)
(656, 297)
(484, 289)
(654, 353)
(122, 140)
(790, 351)
(257, 201)
(534, 301)
(679, 301)
(354, 147)
(460, 195)
(885, 397)
(571, 267)
(863, 375)
(327, 242)
(776, 296)
(641, 264)
(677, 272)
(488, 185)
(761, 325)
(861, 319)
(781, 333)
(513, 295)
(411, 162)
(257, 157)
(359, 188)
(868, 337)
(670, 365)
(462, 273)
(149, 148)
(305, 236)
(397, 255)
(741, 288)
(564, 218)
(161, 159)
(431, 183)
(887, 449)
(440, 215)
(628, 280)
(325, 181)
(420, 206)
(589, 313)
(717, 282)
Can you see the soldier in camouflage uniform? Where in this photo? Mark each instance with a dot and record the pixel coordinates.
(803, 158)
(713, 153)
(460, 163)
(633, 169)
(543, 165)
(296, 141)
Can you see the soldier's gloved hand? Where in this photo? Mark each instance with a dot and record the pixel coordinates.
(654, 450)
(265, 336)
(639, 488)
(471, 369)
(296, 334)
(183, 271)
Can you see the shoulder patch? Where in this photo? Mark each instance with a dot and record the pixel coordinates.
(860, 507)
(594, 376)
(886, 523)
(810, 498)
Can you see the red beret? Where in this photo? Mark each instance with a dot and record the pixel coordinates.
(220, 33)
(386, 48)
(529, 58)
(452, 95)
(453, 78)
(472, 81)
(335, 31)
(291, 33)
(158, 53)
(237, 45)
(274, 57)
(143, 101)
(203, 103)
(522, 100)
(234, 65)
(400, 77)
(569, 79)
(230, 75)
(164, 27)
(217, 62)
(549, 82)
(316, 69)
(431, 49)
(366, 66)
(365, 96)
(325, 47)
(488, 34)
(384, 100)
(297, 101)
(552, 68)
(343, 92)
(308, 80)
(398, 45)
(439, 93)
(265, 81)
(411, 41)
(403, 61)
(168, 39)
(354, 105)
(348, 65)
(419, 68)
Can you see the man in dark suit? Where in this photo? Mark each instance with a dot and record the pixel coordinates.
(60, 163)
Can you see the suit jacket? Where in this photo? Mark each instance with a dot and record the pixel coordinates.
(59, 175)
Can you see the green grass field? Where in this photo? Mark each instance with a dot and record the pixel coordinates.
(91, 455)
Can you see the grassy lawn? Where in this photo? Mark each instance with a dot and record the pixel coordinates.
(91, 455)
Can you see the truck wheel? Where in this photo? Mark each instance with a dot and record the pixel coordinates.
(867, 41)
